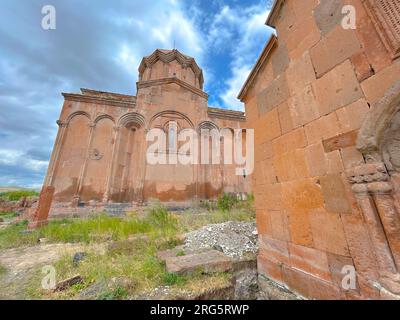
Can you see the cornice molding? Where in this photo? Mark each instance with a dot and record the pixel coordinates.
(151, 83)
(226, 114)
(77, 97)
(276, 7)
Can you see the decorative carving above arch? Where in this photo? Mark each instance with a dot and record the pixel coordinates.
(104, 116)
(207, 125)
(77, 113)
(170, 115)
(132, 118)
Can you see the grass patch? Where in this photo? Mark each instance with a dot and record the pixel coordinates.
(156, 230)
(118, 293)
(11, 237)
(7, 215)
(3, 270)
(170, 279)
(157, 223)
(16, 195)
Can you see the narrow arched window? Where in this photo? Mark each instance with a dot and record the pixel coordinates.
(172, 137)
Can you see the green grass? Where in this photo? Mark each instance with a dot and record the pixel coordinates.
(7, 215)
(16, 195)
(118, 293)
(156, 230)
(3, 270)
(157, 223)
(170, 279)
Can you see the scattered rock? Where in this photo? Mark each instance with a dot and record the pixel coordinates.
(67, 283)
(42, 240)
(246, 286)
(218, 248)
(92, 291)
(271, 290)
(78, 257)
(1, 220)
(206, 262)
(26, 232)
(234, 239)
(170, 253)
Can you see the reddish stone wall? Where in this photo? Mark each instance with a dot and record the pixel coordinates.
(307, 98)
(41, 214)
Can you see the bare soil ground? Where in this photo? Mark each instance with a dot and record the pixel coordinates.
(21, 265)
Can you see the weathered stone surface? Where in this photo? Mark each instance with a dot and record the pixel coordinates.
(293, 140)
(337, 263)
(286, 118)
(341, 141)
(338, 88)
(351, 157)
(328, 15)
(300, 73)
(280, 225)
(65, 284)
(41, 214)
(334, 193)
(343, 99)
(351, 117)
(207, 262)
(275, 94)
(303, 106)
(316, 160)
(263, 219)
(310, 261)
(334, 162)
(171, 253)
(276, 250)
(269, 268)
(376, 86)
(99, 160)
(328, 233)
(280, 60)
(362, 67)
(338, 46)
(323, 128)
(291, 165)
(271, 290)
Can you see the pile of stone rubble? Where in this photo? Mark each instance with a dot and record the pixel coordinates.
(235, 239)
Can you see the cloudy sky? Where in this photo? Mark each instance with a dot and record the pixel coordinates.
(98, 44)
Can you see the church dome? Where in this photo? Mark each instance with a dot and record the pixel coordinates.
(162, 64)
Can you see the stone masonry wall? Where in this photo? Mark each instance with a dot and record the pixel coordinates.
(307, 101)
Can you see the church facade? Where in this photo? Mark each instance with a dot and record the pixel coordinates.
(99, 156)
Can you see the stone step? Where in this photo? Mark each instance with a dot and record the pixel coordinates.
(211, 261)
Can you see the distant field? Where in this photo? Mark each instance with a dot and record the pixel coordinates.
(5, 189)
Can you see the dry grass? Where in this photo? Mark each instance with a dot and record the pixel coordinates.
(138, 266)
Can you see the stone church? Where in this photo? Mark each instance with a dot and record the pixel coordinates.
(99, 157)
(324, 100)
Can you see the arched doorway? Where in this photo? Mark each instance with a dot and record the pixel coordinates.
(127, 171)
(376, 185)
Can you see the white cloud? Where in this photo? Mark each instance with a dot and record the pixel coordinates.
(234, 84)
(9, 157)
(248, 25)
